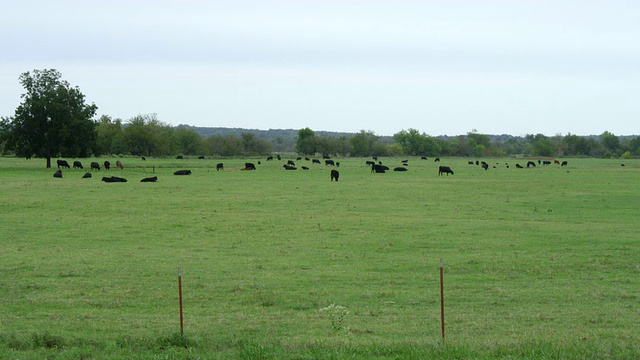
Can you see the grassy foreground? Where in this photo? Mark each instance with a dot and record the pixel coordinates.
(539, 263)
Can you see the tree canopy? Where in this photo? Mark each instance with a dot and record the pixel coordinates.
(52, 120)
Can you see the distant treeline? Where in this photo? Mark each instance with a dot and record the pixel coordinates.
(144, 135)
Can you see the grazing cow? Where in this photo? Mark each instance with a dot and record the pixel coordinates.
(95, 165)
(182, 172)
(335, 175)
(269, 158)
(219, 166)
(518, 166)
(437, 160)
(201, 157)
(400, 168)
(306, 158)
(445, 170)
(315, 161)
(249, 166)
(150, 179)
(144, 158)
(77, 165)
(546, 162)
(299, 158)
(564, 163)
(379, 169)
(119, 164)
(290, 162)
(57, 174)
(63, 164)
(329, 162)
(556, 162)
(370, 163)
(107, 165)
(179, 157)
(113, 179)
(485, 165)
(531, 163)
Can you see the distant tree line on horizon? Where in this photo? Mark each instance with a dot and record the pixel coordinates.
(54, 121)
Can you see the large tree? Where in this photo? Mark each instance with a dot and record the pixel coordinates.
(52, 120)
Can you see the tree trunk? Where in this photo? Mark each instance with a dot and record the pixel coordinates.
(48, 162)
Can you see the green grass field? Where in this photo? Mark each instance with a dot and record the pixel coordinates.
(539, 263)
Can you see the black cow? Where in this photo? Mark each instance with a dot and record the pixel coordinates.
(531, 163)
(113, 179)
(289, 167)
(150, 179)
(182, 172)
(423, 158)
(201, 157)
(445, 170)
(546, 162)
(470, 162)
(315, 161)
(400, 168)
(219, 166)
(290, 162)
(95, 165)
(370, 163)
(119, 164)
(305, 167)
(518, 166)
(564, 163)
(57, 174)
(269, 158)
(437, 160)
(335, 175)
(329, 162)
(77, 165)
(179, 157)
(485, 165)
(144, 158)
(249, 166)
(107, 165)
(86, 176)
(379, 169)
(63, 164)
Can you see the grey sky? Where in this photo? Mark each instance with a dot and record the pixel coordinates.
(441, 67)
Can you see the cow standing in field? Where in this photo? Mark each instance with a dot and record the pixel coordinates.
(531, 163)
(77, 165)
(249, 166)
(63, 164)
(329, 162)
(564, 163)
(315, 161)
(107, 165)
(95, 165)
(445, 170)
(335, 175)
(119, 164)
(219, 166)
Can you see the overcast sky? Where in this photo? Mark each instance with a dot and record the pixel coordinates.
(443, 67)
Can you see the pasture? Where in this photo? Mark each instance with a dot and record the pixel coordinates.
(538, 262)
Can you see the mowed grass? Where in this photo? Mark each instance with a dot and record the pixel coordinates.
(538, 263)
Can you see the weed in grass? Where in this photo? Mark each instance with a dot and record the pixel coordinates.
(337, 315)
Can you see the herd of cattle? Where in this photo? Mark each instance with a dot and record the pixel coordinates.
(375, 165)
